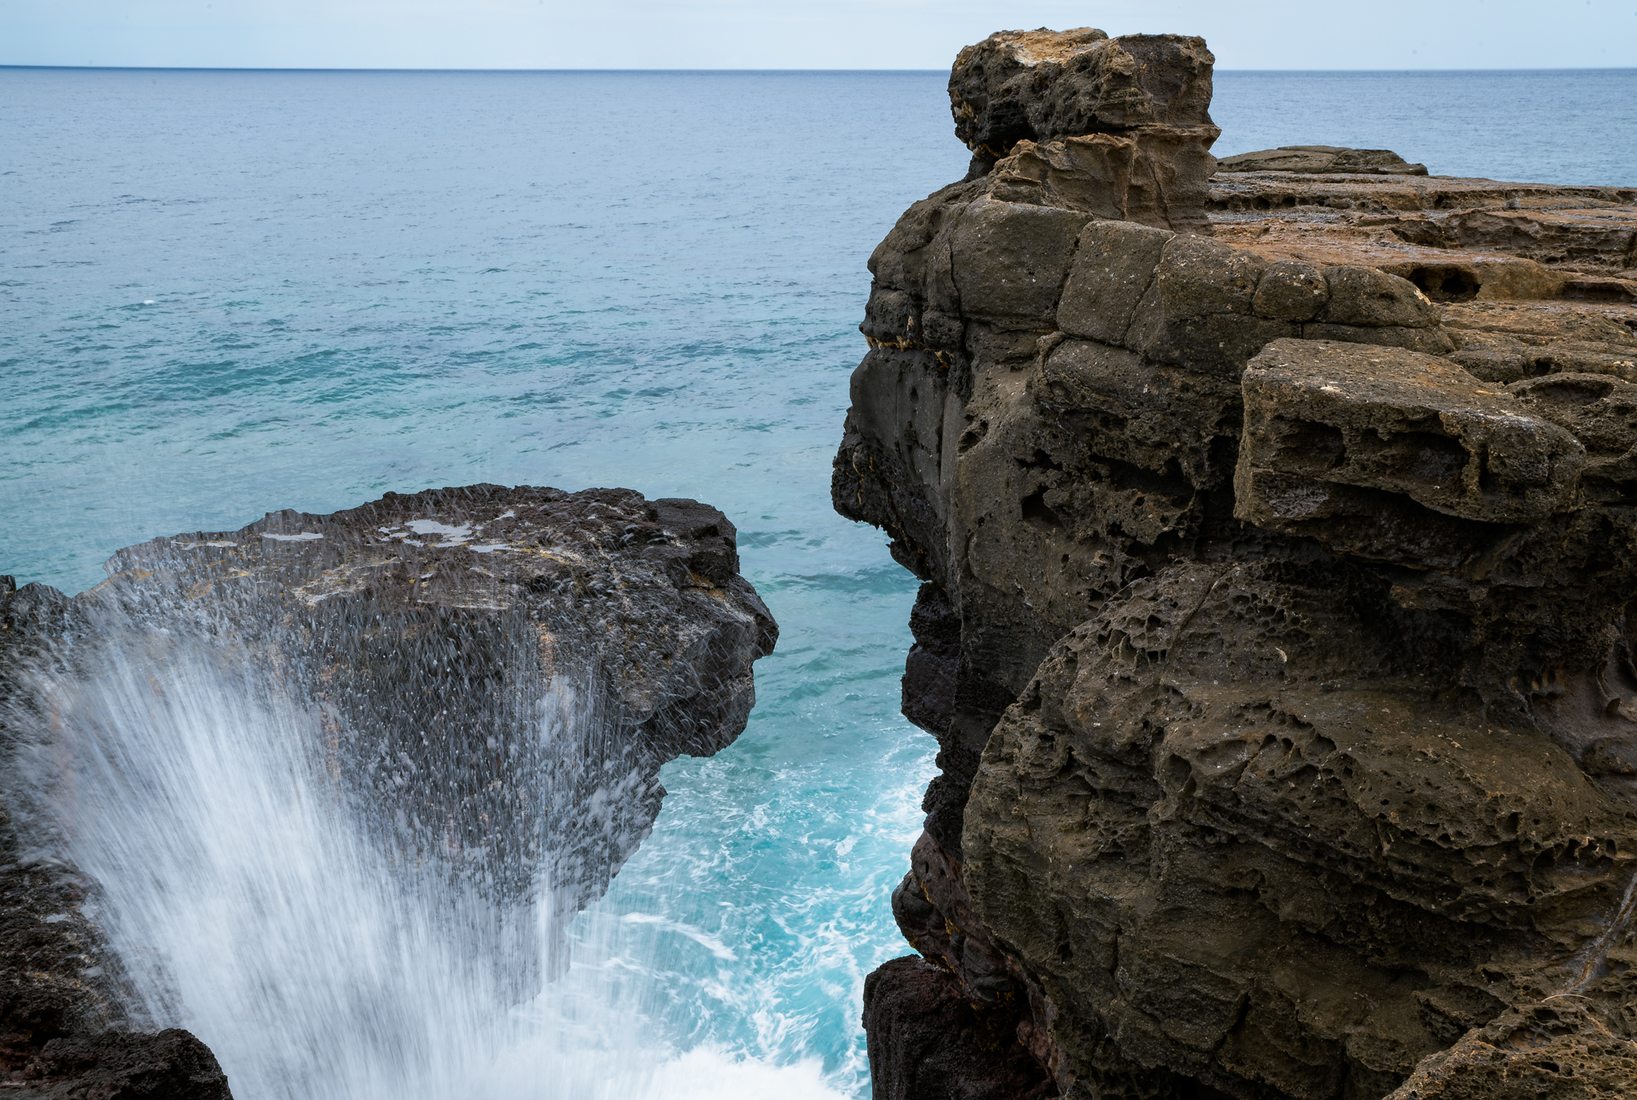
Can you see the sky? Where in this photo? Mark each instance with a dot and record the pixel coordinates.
(797, 34)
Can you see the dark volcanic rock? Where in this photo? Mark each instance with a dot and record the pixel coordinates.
(434, 633)
(434, 623)
(1277, 617)
(926, 1042)
(62, 1032)
(168, 1065)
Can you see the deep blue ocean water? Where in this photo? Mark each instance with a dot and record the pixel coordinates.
(225, 293)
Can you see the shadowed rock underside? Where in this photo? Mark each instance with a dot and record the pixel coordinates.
(1278, 532)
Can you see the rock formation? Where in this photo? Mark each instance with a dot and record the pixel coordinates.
(428, 630)
(1278, 532)
(63, 1034)
(1322, 160)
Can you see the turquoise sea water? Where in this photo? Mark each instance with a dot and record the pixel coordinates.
(224, 293)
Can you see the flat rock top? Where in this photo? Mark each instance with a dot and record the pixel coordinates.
(648, 591)
(1028, 48)
(458, 545)
(1530, 278)
(1322, 159)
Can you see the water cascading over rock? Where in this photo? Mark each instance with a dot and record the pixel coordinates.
(327, 790)
(1278, 532)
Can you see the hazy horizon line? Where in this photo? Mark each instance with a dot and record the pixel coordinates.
(724, 69)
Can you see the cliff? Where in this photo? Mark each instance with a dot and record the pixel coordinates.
(427, 632)
(1278, 532)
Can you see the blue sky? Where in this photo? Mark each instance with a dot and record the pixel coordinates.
(1379, 34)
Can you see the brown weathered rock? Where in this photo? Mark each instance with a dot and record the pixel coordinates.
(1278, 615)
(1040, 85)
(1320, 414)
(1117, 127)
(1315, 160)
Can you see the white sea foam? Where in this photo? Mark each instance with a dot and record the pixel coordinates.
(704, 939)
(709, 1073)
(449, 532)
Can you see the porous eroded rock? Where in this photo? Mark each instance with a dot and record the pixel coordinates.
(1278, 610)
(433, 634)
(1120, 127)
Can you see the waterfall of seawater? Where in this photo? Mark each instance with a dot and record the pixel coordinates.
(250, 898)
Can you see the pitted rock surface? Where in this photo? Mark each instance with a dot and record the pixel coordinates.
(1279, 562)
(1119, 127)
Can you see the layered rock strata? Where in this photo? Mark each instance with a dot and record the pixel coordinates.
(1279, 551)
(432, 633)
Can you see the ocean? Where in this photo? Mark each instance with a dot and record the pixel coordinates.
(224, 293)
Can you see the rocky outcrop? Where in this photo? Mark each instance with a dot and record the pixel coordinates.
(1279, 564)
(429, 632)
(466, 605)
(1322, 160)
(1116, 126)
(63, 1033)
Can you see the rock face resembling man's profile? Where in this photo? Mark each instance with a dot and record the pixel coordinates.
(1278, 532)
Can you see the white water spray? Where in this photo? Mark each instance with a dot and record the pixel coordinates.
(250, 900)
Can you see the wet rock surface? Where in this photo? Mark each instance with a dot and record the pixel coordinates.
(434, 634)
(1279, 562)
(927, 1040)
(433, 624)
(63, 1033)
